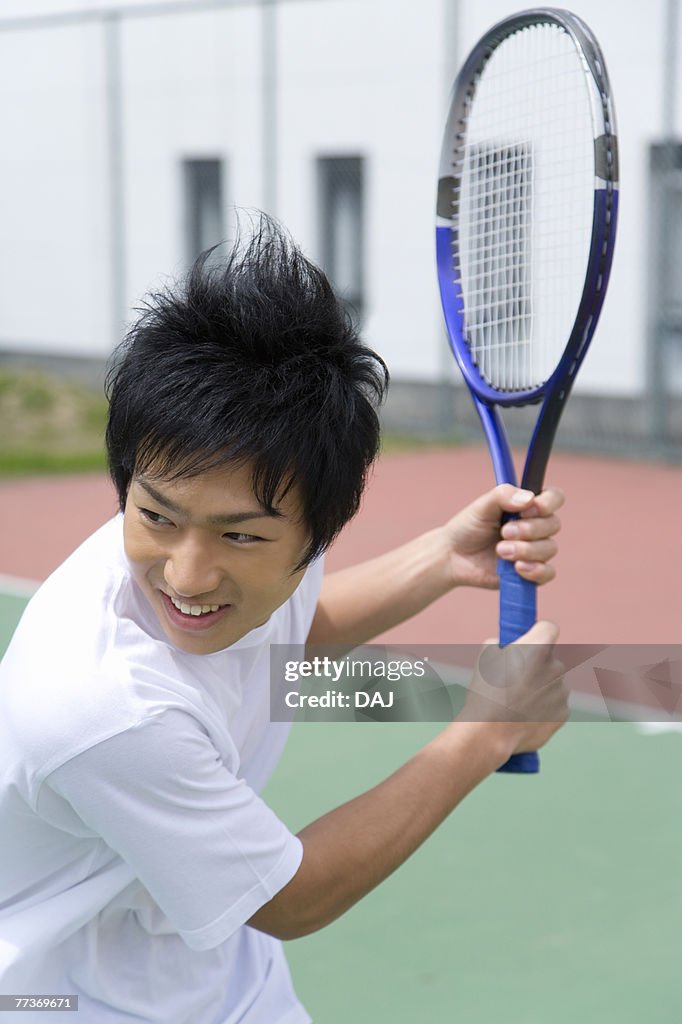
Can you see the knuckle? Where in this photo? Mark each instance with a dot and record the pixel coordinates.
(549, 527)
(555, 496)
(540, 550)
(549, 573)
(538, 527)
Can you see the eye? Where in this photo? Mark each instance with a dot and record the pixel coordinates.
(242, 538)
(155, 518)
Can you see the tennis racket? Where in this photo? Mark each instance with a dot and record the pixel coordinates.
(525, 229)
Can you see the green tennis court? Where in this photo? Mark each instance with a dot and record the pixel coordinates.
(557, 898)
(11, 606)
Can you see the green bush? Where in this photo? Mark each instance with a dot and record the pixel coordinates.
(49, 423)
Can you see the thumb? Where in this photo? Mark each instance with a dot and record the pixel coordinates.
(503, 498)
(543, 632)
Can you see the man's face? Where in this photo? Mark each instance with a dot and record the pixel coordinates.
(211, 561)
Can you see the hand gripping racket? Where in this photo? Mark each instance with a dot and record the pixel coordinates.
(526, 219)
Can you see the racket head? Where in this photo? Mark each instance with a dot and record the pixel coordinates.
(527, 202)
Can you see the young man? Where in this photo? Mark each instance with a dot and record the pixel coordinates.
(139, 869)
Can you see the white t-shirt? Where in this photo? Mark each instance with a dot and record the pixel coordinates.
(133, 845)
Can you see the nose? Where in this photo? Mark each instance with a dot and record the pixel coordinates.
(191, 569)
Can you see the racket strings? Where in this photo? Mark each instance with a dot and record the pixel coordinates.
(523, 208)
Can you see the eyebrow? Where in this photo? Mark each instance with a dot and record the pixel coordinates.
(229, 519)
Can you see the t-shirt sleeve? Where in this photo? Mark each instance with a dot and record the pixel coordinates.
(209, 851)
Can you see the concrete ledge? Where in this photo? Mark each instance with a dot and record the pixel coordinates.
(87, 370)
(611, 424)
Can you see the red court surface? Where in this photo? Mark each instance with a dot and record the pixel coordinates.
(619, 567)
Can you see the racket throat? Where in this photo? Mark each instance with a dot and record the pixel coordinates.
(541, 443)
(498, 442)
(539, 449)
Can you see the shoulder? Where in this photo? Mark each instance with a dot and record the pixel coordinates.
(80, 667)
(300, 608)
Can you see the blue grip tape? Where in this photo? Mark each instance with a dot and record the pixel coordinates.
(518, 612)
(522, 764)
(518, 603)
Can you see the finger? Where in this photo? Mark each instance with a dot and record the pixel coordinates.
(526, 551)
(514, 499)
(531, 529)
(503, 498)
(535, 572)
(507, 498)
(543, 632)
(557, 690)
(546, 503)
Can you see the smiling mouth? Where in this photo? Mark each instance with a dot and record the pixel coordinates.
(194, 609)
(192, 616)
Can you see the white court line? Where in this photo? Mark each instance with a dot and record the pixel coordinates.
(17, 586)
(625, 712)
(657, 728)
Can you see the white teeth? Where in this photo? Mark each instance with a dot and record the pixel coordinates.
(194, 609)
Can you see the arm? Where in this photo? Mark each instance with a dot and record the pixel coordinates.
(350, 850)
(359, 603)
(356, 846)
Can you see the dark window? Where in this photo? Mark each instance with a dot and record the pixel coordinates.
(341, 226)
(204, 206)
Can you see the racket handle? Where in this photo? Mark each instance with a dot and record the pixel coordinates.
(527, 763)
(518, 603)
(518, 612)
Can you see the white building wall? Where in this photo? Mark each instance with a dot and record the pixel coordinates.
(357, 79)
(192, 89)
(54, 280)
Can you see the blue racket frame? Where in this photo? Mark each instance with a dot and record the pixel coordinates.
(518, 597)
